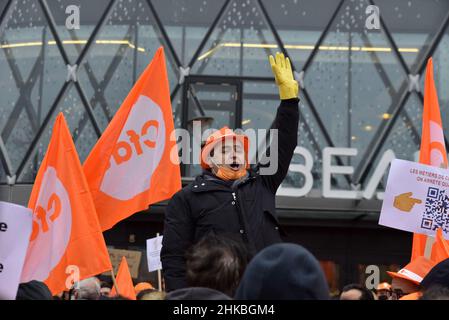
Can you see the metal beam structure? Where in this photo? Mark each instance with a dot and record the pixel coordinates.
(39, 122)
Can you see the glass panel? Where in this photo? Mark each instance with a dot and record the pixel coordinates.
(32, 74)
(260, 102)
(3, 6)
(149, 40)
(240, 43)
(123, 49)
(441, 77)
(186, 23)
(217, 101)
(213, 100)
(2, 173)
(176, 105)
(72, 108)
(353, 80)
(88, 82)
(413, 24)
(64, 12)
(312, 139)
(404, 138)
(300, 24)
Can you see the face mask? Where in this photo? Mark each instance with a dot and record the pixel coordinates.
(226, 173)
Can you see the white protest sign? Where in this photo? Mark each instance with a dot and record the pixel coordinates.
(154, 246)
(15, 230)
(416, 198)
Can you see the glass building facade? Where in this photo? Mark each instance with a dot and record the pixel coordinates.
(361, 88)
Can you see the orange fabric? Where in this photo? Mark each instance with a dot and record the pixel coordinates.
(440, 249)
(412, 296)
(416, 268)
(66, 240)
(218, 136)
(142, 286)
(432, 141)
(124, 282)
(142, 125)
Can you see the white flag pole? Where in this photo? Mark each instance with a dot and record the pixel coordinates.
(159, 276)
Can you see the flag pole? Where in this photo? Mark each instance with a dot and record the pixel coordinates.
(11, 182)
(429, 245)
(113, 281)
(159, 277)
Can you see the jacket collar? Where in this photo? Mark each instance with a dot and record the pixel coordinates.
(207, 182)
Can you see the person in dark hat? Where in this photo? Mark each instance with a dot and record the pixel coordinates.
(436, 292)
(33, 290)
(438, 275)
(196, 293)
(283, 271)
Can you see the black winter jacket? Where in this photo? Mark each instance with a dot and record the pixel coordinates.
(246, 209)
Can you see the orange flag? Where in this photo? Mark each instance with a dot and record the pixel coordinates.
(433, 150)
(130, 166)
(66, 242)
(440, 249)
(124, 282)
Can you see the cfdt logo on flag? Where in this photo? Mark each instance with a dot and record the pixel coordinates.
(52, 219)
(139, 149)
(129, 167)
(65, 227)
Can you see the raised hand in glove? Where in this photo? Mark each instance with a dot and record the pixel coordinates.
(282, 70)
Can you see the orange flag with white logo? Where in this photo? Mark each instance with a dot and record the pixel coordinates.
(440, 249)
(124, 282)
(433, 150)
(135, 163)
(66, 243)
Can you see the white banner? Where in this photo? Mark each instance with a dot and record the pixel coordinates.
(15, 230)
(154, 246)
(416, 198)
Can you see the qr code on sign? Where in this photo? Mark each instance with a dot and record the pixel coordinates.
(436, 210)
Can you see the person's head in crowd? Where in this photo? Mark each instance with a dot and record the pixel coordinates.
(408, 279)
(33, 290)
(196, 293)
(87, 289)
(66, 294)
(59, 296)
(436, 292)
(105, 288)
(438, 275)
(356, 291)
(216, 262)
(150, 294)
(142, 286)
(283, 271)
(383, 291)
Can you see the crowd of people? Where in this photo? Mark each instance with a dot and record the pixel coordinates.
(220, 268)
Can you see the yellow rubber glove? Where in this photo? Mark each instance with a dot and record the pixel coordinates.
(282, 70)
